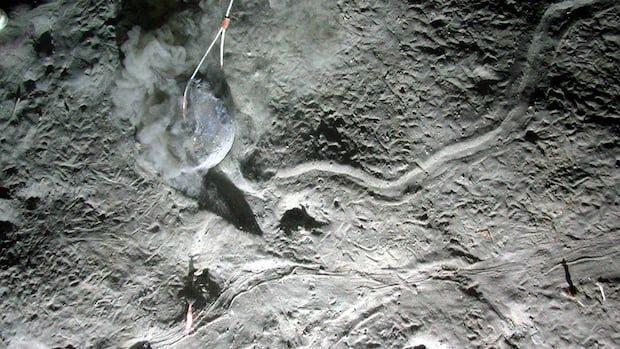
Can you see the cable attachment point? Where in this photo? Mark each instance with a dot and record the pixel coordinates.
(225, 23)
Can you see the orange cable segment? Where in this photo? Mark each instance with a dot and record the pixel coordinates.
(225, 22)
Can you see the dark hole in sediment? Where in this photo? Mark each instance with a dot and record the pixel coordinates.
(44, 44)
(5, 228)
(531, 136)
(199, 288)
(5, 193)
(8, 239)
(296, 218)
(31, 203)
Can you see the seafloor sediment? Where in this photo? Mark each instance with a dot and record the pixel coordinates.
(437, 174)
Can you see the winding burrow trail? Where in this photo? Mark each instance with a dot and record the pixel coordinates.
(548, 34)
(555, 22)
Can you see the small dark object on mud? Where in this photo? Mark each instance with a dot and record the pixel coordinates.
(571, 287)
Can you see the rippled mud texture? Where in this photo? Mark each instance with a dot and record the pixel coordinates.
(408, 173)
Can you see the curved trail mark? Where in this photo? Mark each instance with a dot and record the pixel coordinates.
(543, 42)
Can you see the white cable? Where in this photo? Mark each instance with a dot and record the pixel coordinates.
(222, 48)
(226, 17)
(221, 32)
(229, 7)
(4, 19)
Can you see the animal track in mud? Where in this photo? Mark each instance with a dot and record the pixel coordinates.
(544, 40)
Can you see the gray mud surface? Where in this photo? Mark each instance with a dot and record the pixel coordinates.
(406, 174)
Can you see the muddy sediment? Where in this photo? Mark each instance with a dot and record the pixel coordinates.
(414, 174)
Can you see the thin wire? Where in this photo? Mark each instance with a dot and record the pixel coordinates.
(229, 7)
(222, 48)
(227, 19)
(221, 32)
